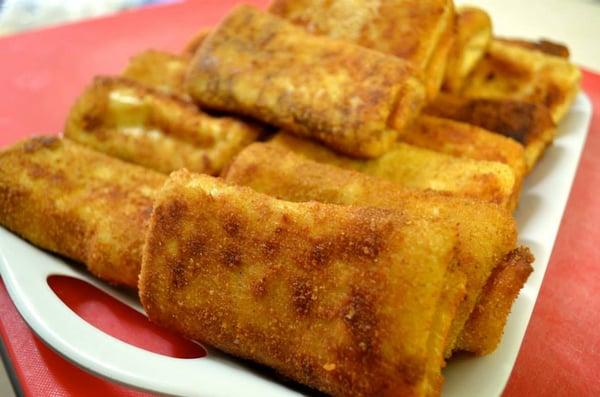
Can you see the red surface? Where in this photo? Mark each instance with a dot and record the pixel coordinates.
(119, 320)
(560, 355)
(42, 72)
(40, 371)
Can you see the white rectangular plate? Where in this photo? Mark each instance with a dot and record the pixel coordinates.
(25, 269)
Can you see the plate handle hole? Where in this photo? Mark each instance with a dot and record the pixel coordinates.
(115, 318)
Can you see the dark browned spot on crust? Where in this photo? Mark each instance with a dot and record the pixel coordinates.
(285, 220)
(167, 221)
(366, 237)
(36, 171)
(91, 121)
(179, 276)
(411, 370)
(308, 369)
(512, 119)
(259, 288)
(145, 213)
(232, 225)
(231, 257)
(367, 246)
(490, 186)
(176, 209)
(553, 97)
(551, 48)
(194, 247)
(360, 316)
(188, 261)
(545, 46)
(302, 296)
(270, 249)
(321, 253)
(40, 142)
(508, 67)
(519, 120)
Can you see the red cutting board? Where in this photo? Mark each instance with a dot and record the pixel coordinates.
(41, 74)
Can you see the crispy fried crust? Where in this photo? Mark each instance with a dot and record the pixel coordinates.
(79, 203)
(159, 70)
(344, 299)
(438, 62)
(527, 123)
(473, 35)
(468, 141)
(483, 331)
(343, 95)
(510, 71)
(545, 46)
(419, 168)
(485, 232)
(153, 129)
(420, 31)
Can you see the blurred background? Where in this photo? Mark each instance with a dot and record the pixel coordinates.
(21, 15)
(573, 22)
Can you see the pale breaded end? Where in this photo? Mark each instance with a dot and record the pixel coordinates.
(84, 205)
(420, 31)
(529, 124)
(483, 331)
(473, 35)
(466, 140)
(448, 306)
(546, 46)
(156, 130)
(510, 71)
(344, 299)
(158, 70)
(485, 232)
(439, 59)
(345, 96)
(419, 168)
(195, 42)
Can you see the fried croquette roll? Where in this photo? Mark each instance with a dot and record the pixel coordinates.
(348, 97)
(420, 31)
(159, 70)
(79, 203)
(353, 301)
(473, 35)
(147, 127)
(486, 233)
(466, 140)
(529, 124)
(419, 168)
(485, 327)
(510, 71)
